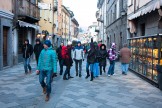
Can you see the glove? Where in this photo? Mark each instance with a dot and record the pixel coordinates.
(37, 72)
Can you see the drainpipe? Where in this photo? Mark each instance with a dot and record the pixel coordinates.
(53, 21)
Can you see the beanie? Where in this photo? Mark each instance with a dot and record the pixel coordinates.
(47, 42)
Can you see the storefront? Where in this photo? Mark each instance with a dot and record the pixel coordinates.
(6, 58)
(146, 54)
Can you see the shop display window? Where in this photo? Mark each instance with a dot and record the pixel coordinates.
(146, 54)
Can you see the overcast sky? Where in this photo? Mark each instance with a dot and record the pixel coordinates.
(84, 10)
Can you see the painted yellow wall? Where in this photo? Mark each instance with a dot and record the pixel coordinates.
(46, 20)
(6, 5)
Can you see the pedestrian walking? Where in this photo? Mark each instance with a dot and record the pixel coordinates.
(103, 56)
(27, 50)
(96, 63)
(47, 64)
(125, 56)
(78, 57)
(38, 47)
(59, 55)
(91, 59)
(87, 63)
(68, 62)
(112, 56)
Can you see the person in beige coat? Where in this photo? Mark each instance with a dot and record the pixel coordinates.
(125, 56)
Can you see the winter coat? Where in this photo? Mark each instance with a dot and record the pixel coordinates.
(91, 56)
(97, 55)
(112, 55)
(27, 50)
(59, 49)
(37, 49)
(66, 56)
(125, 55)
(78, 53)
(47, 60)
(103, 55)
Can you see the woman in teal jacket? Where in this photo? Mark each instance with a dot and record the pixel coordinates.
(47, 64)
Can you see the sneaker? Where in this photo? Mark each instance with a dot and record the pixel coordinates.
(47, 97)
(114, 74)
(108, 75)
(44, 90)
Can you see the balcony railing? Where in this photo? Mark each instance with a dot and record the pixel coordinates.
(26, 8)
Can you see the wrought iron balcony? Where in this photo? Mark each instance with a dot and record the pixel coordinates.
(28, 11)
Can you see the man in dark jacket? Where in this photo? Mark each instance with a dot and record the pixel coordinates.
(59, 51)
(37, 49)
(27, 50)
(91, 59)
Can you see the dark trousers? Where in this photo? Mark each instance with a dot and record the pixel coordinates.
(67, 71)
(80, 66)
(61, 65)
(87, 68)
(102, 68)
(111, 68)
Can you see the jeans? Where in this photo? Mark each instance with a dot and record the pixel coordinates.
(80, 66)
(111, 68)
(91, 68)
(42, 76)
(96, 69)
(87, 68)
(61, 65)
(27, 65)
(125, 67)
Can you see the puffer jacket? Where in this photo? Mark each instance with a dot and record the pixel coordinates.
(47, 60)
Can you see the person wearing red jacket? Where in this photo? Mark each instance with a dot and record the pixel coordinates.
(66, 55)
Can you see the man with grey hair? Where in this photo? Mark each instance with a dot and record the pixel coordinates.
(125, 56)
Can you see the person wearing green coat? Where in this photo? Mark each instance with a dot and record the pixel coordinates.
(47, 64)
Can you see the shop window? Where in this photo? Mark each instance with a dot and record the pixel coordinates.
(142, 29)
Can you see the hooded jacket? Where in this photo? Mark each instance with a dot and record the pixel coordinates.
(103, 55)
(38, 48)
(47, 60)
(59, 51)
(112, 55)
(78, 53)
(91, 54)
(27, 50)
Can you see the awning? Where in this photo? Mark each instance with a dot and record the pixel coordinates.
(148, 9)
(25, 24)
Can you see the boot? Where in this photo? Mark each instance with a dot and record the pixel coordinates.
(44, 90)
(80, 75)
(76, 73)
(91, 76)
(47, 97)
(87, 75)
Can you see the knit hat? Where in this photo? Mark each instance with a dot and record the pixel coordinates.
(37, 40)
(47, 42)
(69, 43)
(113, 45)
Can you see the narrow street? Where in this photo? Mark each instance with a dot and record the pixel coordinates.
(18, 90)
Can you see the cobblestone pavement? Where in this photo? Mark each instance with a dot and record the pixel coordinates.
(18, 90)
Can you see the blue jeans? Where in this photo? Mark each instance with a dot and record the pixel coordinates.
(91, 68)
(42, 75)
(111, 68)
(96, 69)
(27, 65)
(125, 67)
